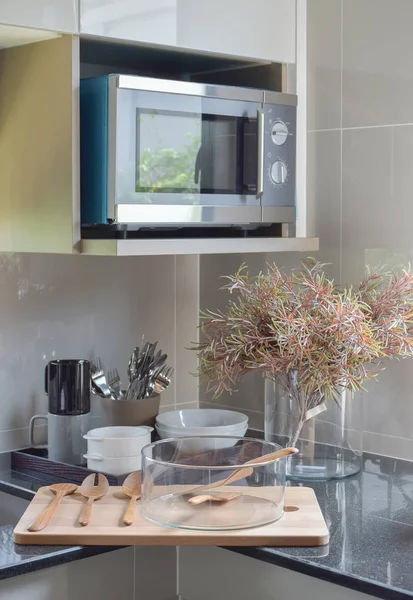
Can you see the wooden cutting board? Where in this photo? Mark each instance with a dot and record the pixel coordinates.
(302, 524)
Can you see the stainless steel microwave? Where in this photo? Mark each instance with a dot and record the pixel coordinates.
(158, 153)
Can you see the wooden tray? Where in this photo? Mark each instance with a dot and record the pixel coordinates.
(302, 527)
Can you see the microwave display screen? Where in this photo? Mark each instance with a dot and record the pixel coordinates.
(192, 153)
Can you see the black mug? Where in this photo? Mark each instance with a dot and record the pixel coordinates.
(67, 383)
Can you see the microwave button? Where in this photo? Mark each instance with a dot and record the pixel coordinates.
(279, 133)
(278, 172)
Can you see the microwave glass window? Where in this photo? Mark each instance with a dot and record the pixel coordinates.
(192, 153)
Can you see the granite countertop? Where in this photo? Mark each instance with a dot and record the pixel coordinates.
(370, 517)
(16, 559)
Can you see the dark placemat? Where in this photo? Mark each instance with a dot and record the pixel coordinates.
(32, 460)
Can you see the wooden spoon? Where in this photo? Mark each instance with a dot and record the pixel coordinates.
(60, 490)
(241, 472)
(132, 487)
(92, 492)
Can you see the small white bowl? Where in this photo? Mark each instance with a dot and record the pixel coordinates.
(203, 444)
(117, 442)
(210, 421)
(113, 466)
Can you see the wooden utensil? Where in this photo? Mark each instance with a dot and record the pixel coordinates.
(92, 492)
(60, 490)
(210, 498)
(132, 487)
(241, 472)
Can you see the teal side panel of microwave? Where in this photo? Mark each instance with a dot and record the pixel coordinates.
(94, 122)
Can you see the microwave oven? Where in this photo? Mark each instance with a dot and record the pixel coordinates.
(158, 153)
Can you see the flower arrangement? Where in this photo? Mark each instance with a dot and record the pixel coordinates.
(300, 330)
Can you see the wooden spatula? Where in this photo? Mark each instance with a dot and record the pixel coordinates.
(211, 498)
(132, 487)
(92, 492)
(240, 473)
(60, 490)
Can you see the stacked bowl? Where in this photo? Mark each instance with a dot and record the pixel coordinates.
(116, 450)
(199, 422)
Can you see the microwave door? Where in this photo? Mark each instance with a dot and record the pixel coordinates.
(185, 159)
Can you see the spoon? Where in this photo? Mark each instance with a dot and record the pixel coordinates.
(132, 487)
(60, 490)
(92, 492)
(241, 472)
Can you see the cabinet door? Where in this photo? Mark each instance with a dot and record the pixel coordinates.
(151, 21)
(206, 573)
(262, 29)
(58, 15)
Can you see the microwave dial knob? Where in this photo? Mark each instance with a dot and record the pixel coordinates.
(278, 172)
(279, 133)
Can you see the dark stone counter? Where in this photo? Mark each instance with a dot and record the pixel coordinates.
(370, 517)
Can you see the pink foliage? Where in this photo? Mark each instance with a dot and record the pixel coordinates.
(302, 323)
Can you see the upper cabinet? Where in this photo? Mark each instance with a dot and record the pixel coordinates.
(151, 21)
(262, 30)
(57, 15)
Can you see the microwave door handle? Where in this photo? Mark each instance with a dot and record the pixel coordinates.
(198, 165)
(260, 156)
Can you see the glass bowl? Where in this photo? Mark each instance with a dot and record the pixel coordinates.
(171, 474)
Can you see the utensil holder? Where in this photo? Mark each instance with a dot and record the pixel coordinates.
(129, 412)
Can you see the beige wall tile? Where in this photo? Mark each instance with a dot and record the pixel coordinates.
(186, 323)
(255, 419)
(388, 404)
(324, 195)
(377, 66)
(323, 64)
(377, 206)
(249, 395)
(386, 445)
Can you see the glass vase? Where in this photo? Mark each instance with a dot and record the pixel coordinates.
(329, 444)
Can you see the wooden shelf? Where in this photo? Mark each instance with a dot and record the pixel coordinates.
(197, 246)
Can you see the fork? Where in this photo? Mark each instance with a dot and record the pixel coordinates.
(114, 383)
(162, 380)
(99, 379)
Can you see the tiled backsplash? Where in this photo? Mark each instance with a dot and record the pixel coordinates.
(56, 306)
(359, 182)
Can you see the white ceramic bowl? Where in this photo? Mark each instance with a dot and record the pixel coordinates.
(207, 421)
(194, 431)
(113, 466)
(203, 444)
(225, 430)
(117, 442)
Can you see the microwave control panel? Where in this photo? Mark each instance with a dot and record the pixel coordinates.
(279, 155)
